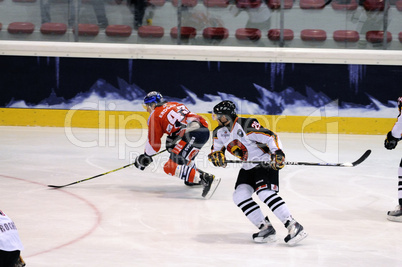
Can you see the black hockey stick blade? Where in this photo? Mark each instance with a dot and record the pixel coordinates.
(90, 178)
(362, 158)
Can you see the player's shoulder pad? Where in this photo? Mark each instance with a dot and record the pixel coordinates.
(215, 131)
(253, 125)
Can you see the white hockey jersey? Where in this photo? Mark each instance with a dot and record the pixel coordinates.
(246, 140)
(397, 129)
(9, 237)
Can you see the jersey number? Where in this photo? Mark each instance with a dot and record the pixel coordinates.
(176, 116)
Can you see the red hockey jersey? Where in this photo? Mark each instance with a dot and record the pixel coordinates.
(170, 118)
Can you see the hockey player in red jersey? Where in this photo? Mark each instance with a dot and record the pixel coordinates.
(246, 139)
(391, 141)
(186, 132)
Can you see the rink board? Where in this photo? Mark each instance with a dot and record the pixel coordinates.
(138, 120)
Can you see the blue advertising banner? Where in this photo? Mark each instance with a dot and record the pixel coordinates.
(257, 88)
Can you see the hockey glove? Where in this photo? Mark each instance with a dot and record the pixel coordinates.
(171, 142)
(278, 160)
(142, 161)
(390, 142)
(217, 158)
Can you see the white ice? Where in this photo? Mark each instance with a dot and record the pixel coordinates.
(146, 218)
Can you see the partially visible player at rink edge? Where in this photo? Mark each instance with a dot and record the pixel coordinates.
(10, 243)
(391, 141)
(246, 139)
(187, 133)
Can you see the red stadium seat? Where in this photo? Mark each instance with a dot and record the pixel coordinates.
(374, 5)
(53, 28)
(1, 26)
(252, 34)
(377, 36)
(346, 36)
(185, 32)
(151, 31)
(350, 6)
(276, 4)
(400, 37)
(274, 34)
(313, 35)
(248, 3)
(187, 3)
(87, 29)
(215, 33)
(21, 27)
(216, 3)
(398, 5)
(118, 30)
(312, 4)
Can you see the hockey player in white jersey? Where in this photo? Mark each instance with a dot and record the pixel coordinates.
(391, 141)
(10, 243)
(246, 139)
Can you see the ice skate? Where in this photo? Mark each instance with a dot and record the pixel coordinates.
(267, 233)
(296, 232)
(395, 215)
(193, 184)
(210, 183)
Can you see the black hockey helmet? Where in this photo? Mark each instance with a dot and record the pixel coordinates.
(225, 108)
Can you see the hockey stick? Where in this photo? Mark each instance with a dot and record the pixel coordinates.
(90, 178)
(345, 164)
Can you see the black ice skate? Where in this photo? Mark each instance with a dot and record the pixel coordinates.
(192, 184)
(210, 183)
(395, 215)
(296, 232)
(267, 233)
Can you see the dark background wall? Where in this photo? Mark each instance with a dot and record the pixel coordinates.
(33, 78)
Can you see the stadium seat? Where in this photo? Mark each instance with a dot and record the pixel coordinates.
(185, 32)
(53, 28)
(187, 3)
(377, 36)
(400, 37)
(1, 26)
(346, 36)
(274, 34)
(118, 30)
(21, 27)
(216, 3)
(87, 29)
(248, 3)
(252, 34)
(151, 31)
(215, 33)
(352, 5)
(313, 35)
(276, 4)
(398, 5)
(374, 5)
(156, 2)
(312, 4)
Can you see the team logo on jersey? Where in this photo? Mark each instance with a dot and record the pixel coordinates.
(237, 149)
(240, 133)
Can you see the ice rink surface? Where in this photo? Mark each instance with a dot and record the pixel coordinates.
(146, 218)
